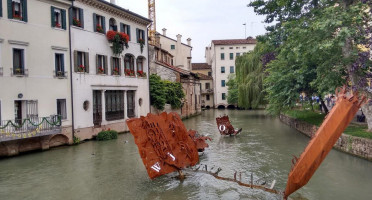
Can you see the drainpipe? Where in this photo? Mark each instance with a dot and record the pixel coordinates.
(72, 95)
(148, 67)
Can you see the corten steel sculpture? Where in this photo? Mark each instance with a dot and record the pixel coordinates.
(225, 127)
(163, 143)
(331, 129)
(200, 140)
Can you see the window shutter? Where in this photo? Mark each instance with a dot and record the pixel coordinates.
(75, 61)
(128, 27)
(10, 12)
(52, 17)
(63, 63)
(94, 22)
(63, 13)
(70, 16)
(137, 31)
(104, 24)
(119, 66)
(106, 66)
(55, 63)
(97, 64)
(86, 62)
(1, 8)
(23, 59)
(81, 14)
(24, 10)
(112, 64)
(121, 27)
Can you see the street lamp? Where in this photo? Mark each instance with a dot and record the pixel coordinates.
(245, 30)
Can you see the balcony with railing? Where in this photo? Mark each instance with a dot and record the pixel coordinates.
(60, 74)
(29, 128)
(20, 72)
(207, 91)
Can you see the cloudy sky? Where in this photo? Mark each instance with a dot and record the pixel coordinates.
(201, 20)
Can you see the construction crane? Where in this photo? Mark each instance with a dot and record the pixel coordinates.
(152, 16)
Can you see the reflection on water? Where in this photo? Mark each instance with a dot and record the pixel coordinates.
(114, 170)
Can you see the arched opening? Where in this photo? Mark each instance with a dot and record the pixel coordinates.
(221, 107)
(141, 68)
(207, 107)
(129, 65)
(112, 25)
(58, 140)
(230, 107)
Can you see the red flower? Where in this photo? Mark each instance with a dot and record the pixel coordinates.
(111, 35)
(58, 25)
(124, 36)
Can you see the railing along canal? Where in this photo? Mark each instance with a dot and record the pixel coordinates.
(31, 127)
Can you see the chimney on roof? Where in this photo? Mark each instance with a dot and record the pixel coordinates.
(164, 31)
(113, 1)
(189, 41)
(179, 38)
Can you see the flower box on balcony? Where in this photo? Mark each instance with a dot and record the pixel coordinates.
(141, 74)
(129, 72)
(18, 17)
(81, 68)
(76, 22)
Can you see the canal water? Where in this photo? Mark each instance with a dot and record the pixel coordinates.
(114, 170)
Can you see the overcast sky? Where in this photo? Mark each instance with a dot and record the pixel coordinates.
(201, 20)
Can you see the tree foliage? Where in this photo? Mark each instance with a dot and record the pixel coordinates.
(232, 90)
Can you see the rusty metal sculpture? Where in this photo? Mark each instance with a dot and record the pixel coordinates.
(332, 127)
(225, 127)
(163, 143)
(200, 140)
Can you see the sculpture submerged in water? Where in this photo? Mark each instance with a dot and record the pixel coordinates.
(334, 124)
(225, 127)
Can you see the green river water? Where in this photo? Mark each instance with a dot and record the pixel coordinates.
(114, 170)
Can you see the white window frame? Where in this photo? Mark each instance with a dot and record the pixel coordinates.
(63, 109)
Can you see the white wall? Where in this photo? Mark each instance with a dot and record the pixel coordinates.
(180, 53)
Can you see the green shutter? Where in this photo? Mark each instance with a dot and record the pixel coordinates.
(10, 11)
(75, 61)
(52, 16)
(128, 27)
(70, 16)
(105, 64)
(94, 22)
(24, 10)
(104, 24)
(97, 64)
(86, 62)
(121, 27)
(63, 15)
(1, 8)
(81, 13)
(137, 31)
(63, 63)
(55, 63)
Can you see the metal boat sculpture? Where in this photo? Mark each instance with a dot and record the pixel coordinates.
(225, 127)
(163, 143)
(327, 135)
(200, 140)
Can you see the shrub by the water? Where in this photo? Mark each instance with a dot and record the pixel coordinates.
(107, 135)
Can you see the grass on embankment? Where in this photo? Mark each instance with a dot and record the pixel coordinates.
(317, 118)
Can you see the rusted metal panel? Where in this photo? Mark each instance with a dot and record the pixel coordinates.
(331, 129)
(225, 127)
(163, 143)
(200, 140)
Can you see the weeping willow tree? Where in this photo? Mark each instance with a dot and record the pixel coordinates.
(250, 75)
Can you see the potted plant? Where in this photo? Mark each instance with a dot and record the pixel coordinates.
(99, 28)
(101, 70)
(17, 17)
(115, 71)
(118, 40)
(81, 68)
(129, 72)
(58, 25)
(60, 73)
(142, 43)
(140, 73)
(76, 22)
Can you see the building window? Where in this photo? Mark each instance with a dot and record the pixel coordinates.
(223, 96)
(209, 73)
(223, 83)
(81, 61)
(232, 69)
(114, 105)
(101, 64)
(18, 62)
(59, 65)
(140, 36)
(17, 9)
(244, 47)
(131, 104)
(237, 47)
(222, 70)
(231, 47)
(237, 54)
(129, 65)
(97, 107)
(207, 86)
(113, 26)
(1, 13)
(61, 108)
(115, 66)
(173, 46)
(231, 56)
(77, 17)
(208, 97)
(222, 48)
(140, 65)
(222, 56)
(125, 28)
(99, 24)
(58, 18)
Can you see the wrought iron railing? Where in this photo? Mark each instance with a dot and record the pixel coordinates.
(60, 74)
(207, 91)
(27, 128)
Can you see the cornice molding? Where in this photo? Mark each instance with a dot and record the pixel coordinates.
(18, 42)
(59, 48)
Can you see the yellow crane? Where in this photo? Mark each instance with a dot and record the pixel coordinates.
(152, 16)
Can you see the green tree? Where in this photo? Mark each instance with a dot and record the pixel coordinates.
(157, 92)
(232, 90)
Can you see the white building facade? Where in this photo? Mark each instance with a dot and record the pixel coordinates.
(221, 56)
(34, 74)
(107, 88)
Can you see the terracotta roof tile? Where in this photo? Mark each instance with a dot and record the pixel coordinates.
(204, 77)
(235, 41)
(179, 70)
(198, 66)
